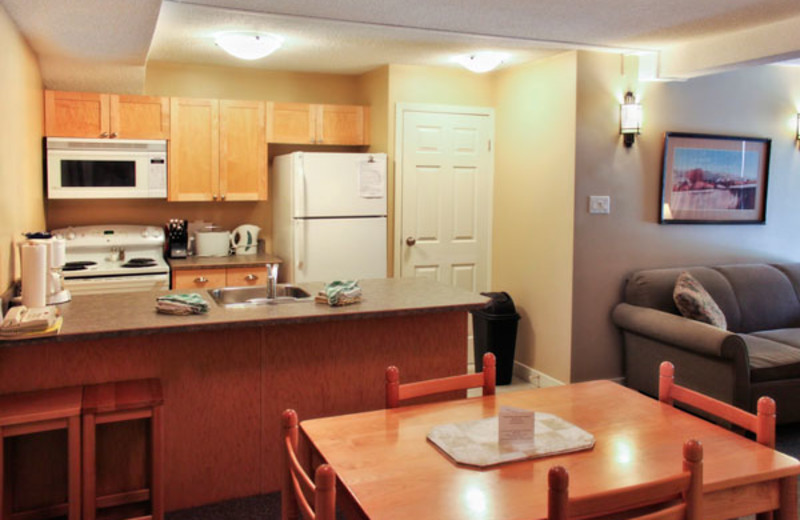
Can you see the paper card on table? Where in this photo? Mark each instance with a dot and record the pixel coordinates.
(371, 180)
(515, 424)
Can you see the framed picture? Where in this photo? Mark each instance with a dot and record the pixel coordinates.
(712, 179)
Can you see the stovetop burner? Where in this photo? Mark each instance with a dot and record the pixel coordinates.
(139, 262)
(77, 265)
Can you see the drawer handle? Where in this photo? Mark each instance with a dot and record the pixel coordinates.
(201, 279)
(104, 134)
(251, 277)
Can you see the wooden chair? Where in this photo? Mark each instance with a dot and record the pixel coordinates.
(115, 402)
(395, 392)
(671, 498)
(762, 424)
(41, 411)
(297, 486)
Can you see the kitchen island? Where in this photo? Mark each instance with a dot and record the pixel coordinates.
(229, 374)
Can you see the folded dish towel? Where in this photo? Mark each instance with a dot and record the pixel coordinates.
(340, 292)
(181, 304)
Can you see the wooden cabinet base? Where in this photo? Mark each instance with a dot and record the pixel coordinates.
(225, 389)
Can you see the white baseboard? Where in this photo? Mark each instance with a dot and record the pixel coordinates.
(533, 376)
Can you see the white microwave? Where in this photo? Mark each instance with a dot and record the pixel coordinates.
(105, 168)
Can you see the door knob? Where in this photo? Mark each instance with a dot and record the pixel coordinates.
(411, 241)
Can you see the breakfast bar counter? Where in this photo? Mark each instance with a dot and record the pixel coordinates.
(228, 374)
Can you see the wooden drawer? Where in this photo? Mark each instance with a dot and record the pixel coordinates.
(241, 276)
(198, 279)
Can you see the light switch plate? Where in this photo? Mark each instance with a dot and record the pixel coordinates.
(600, 204)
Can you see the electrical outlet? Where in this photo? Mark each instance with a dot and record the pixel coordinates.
(600, 204)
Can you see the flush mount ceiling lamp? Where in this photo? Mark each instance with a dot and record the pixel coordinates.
(481, 62)
(248, 46)
(630, 120)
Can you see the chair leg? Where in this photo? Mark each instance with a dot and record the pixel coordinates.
(157, 462)
(89, 468)
(74, 464)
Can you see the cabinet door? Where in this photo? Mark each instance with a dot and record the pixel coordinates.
(243, 276)
(243, 147)
(292, 123)
(198, 279)
(75, 114)
(139, 117)
(194, 149)
(342, 124)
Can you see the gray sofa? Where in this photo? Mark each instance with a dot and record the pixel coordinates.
(758, 355)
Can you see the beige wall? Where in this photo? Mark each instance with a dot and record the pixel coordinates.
(21, 193)
(533, 201)
(760, 102)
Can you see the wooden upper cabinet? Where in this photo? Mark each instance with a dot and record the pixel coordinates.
(194, 149)
(301, 123)
(293, 123)
(342, 124)
(139, 117)
(93, 115)
(76, 114)
(243, 150)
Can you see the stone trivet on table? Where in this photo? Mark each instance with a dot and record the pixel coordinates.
(475, 443)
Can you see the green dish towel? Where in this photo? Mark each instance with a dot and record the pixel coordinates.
(342, 292)
(181, 304)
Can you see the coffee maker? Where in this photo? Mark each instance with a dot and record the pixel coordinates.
(177, 238)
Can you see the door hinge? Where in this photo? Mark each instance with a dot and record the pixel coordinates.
(490, 145)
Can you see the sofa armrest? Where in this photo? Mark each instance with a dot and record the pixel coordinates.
(681, 332)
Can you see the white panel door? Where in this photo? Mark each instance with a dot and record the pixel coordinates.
(445, 191)
(339, 249)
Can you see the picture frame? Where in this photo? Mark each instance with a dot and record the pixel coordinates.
(714, 179)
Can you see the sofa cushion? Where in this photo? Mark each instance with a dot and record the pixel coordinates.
(792, 272)
(653, 288)
(767, 298)
(694, 302)
(773, 354)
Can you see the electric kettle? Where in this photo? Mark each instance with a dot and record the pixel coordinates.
(244, 239)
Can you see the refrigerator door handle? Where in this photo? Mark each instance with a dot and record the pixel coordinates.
(300, 243)
(300, 188)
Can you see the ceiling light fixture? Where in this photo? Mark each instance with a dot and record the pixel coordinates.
(248, 46)
(630, 119)
(481, 62)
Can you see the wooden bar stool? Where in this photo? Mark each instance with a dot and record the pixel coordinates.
(36, 412)
(116, 402)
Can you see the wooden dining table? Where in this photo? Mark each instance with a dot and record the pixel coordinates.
(386, 467)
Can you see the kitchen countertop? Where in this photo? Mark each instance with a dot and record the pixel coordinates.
(130, 314)
(221, 262)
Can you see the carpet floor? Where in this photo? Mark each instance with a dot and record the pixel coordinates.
(268, 507)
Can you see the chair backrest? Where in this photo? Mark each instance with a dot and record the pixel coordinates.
(298, 489)
(762, 424)
(395, 392)
(678, 496)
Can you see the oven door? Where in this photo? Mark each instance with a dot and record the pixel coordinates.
(117, 284)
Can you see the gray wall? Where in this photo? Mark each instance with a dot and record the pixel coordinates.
(760, 102)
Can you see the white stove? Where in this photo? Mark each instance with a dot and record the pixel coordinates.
(115, 258)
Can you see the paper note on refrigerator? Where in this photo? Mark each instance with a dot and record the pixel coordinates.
(371, 180)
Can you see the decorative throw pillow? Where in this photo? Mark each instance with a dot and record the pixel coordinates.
(695, 303)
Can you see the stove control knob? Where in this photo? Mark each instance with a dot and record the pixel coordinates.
(146, 233)
(70, 235)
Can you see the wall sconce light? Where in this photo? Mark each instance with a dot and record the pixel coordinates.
(630, 119)
(798, 127)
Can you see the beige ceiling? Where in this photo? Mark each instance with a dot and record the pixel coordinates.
(106, 44)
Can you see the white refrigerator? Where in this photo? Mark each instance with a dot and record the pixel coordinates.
(329, 216)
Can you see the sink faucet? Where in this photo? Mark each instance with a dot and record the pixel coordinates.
(272, 280)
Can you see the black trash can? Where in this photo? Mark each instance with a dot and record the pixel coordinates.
(494, 329)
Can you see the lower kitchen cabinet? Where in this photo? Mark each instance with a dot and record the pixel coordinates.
(208, 278)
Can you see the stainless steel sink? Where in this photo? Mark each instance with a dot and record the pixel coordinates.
(247, 296)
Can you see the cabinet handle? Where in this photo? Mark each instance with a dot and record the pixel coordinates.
(201, 279)
(223, 197)
(104, 134)
(114, 134)
(214, 196)
(251, 277)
